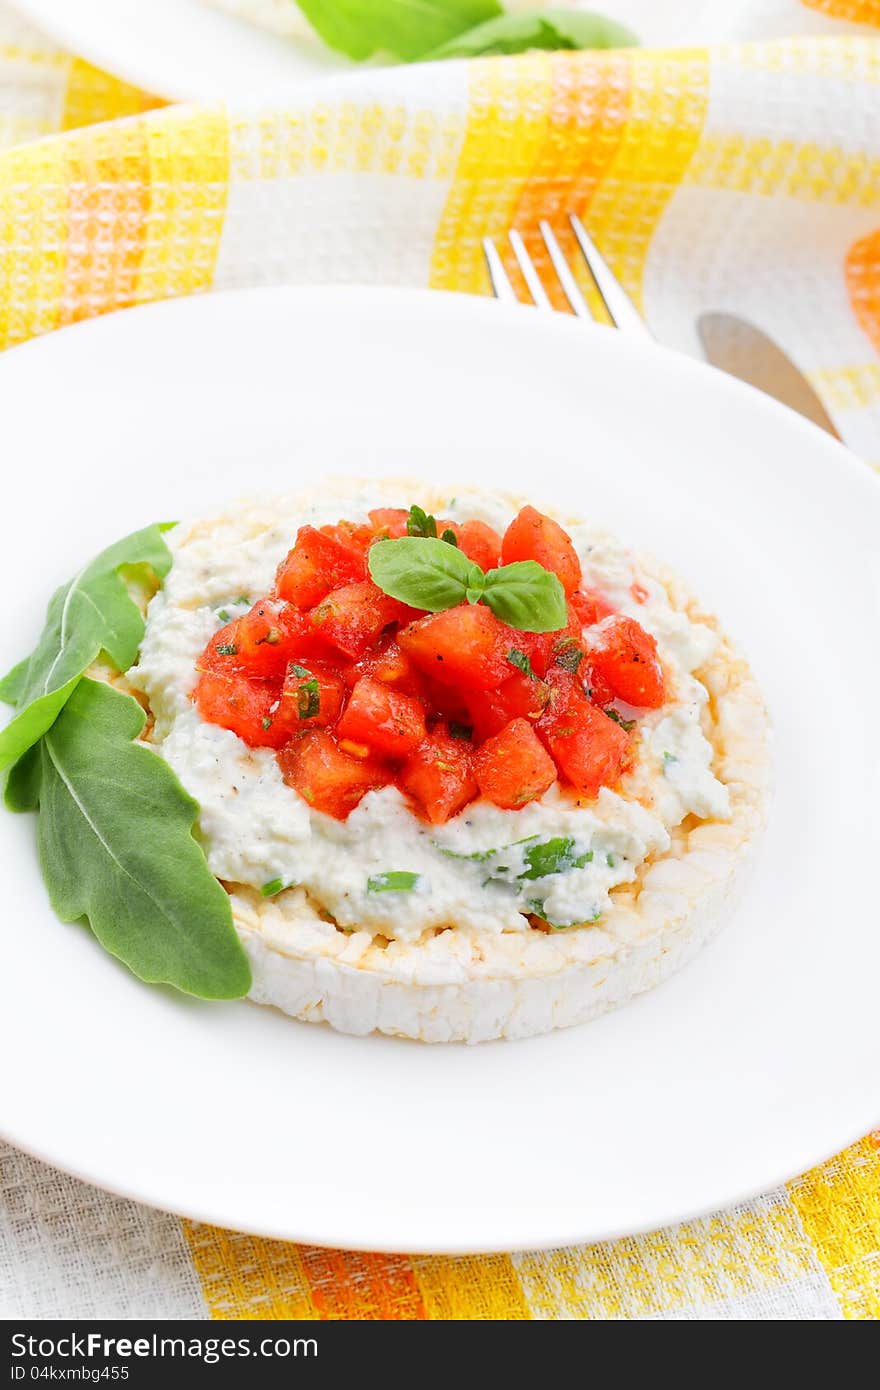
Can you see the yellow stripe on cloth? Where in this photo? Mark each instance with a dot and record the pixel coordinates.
(93, 95)
(246, 1277)
(668, 102)
(507, 126)
(33, 240)
(188, 152)
(471, 1287)
(839, 1208)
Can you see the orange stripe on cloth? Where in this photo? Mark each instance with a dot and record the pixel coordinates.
(839, 1207)
(860, 11)
(471, 1288)
(350, 1286)
(507, 124)
(862, 270)
(108, 205)
(246, 1277)
(589, 107)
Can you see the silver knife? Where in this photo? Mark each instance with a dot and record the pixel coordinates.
(743, 350)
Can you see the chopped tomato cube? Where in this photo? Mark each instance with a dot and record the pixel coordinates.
(589, 749)
(590, 606)
(389, 521)
(326, 777)
(351, 618)
(318, 563)
(439, 775)
(354, 538)
(387, 720)
(391, 665)
(518, 697)
(261, 642)
(465, 646)
(250, 708)
(513, 767)
(478, 542)
(533, 536)
(624, 657)
(542, 648)
(311, 695)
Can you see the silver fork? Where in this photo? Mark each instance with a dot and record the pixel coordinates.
(620, 308)
(728, 341)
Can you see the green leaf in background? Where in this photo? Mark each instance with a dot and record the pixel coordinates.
(93, 613)
(526, 596)
(405, 28)
(423, 572)
(549, 29)
(116, 846)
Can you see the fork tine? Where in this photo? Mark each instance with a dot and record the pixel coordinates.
(621, 310)
(529, 273)
(501, 285)
(566, 279)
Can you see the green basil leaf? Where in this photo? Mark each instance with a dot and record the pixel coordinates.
(116, 845)
(522, 663)
(547, 29)
(554, 856)
(91, 614)
(526, 596)
(395, 881)
(419, 523)
(423, 572)
(404, 28)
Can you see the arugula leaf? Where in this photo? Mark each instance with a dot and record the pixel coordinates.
(91, 614)
(395, 881)
(405, 28)
(526, 596)
(423, 572)
(554, 857)
(116, 846)
(547, 29)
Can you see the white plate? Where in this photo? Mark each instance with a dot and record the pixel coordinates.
(756, 1061)
(184, 50)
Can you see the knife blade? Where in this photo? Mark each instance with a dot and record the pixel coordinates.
(738, 347)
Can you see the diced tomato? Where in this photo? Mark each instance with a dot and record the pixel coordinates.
(625, 658)
(351, 618)
(533, 536)
(326, 777)
(590, 606)
(464, 646)
(354, 538)
(389, 664)
(542, 647)
(250, 708)
(389, 521)
(479, 543)
(518, 697)
(386, 720)
(513, 766)
(261, 642)
(311, 695)
(439, 775)
(589, 749)
(318, 563)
